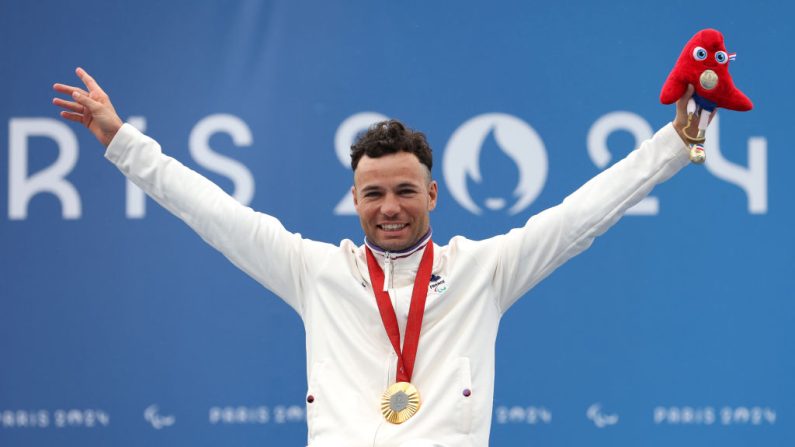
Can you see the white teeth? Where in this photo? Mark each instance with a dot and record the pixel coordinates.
(392, 227)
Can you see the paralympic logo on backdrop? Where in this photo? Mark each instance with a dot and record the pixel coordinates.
(600, 418)
(151, 414)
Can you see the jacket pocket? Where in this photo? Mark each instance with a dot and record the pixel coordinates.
(464, 406)
(313, 400)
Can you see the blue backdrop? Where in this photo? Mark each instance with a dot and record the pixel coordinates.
(118, 326)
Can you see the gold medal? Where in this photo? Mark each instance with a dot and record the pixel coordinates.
(400, 402)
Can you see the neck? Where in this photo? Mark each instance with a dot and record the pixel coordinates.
(401, 252)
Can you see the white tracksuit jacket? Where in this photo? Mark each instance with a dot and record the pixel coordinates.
(350, 361)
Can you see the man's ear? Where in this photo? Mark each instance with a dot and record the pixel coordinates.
(433, 193)
(355, 199)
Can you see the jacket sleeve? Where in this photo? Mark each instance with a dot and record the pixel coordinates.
(526, 255)
(255, 242)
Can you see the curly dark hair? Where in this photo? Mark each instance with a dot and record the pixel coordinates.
(390, 137)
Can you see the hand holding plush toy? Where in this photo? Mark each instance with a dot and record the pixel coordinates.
(704, 63)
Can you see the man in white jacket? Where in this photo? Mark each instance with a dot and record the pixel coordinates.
(400, 331)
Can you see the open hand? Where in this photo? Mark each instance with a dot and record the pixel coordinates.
(90, 108)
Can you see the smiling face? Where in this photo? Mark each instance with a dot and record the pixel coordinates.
(394, 195)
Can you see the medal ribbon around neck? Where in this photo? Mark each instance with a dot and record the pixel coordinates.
(406, 357)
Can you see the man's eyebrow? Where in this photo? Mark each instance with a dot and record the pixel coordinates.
(407, 185)
(372, 188)
(377, 188)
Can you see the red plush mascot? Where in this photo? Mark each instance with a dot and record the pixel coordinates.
(704, 63)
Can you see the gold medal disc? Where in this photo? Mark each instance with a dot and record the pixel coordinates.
(400, 402)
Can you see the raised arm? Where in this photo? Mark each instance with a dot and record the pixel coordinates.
(255, 242)
(528, 254)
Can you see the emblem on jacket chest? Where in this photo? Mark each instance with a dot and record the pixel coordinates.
(437, 285)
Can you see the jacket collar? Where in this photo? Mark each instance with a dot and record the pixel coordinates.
(406, 252)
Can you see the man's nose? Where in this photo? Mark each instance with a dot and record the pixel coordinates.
(390, 206)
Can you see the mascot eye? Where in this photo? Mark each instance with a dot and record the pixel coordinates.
(721, 57)
(699, 54)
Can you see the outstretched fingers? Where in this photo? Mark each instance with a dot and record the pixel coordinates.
(86, 101)
(76, 117)
(90, 83)
(67, 89)
(90, 107)
(69, 105)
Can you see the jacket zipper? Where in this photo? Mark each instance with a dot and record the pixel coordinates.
(387, 271)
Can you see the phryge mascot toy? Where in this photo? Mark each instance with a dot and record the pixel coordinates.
(704, 63)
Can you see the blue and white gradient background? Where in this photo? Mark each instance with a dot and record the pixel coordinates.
(675, 328)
